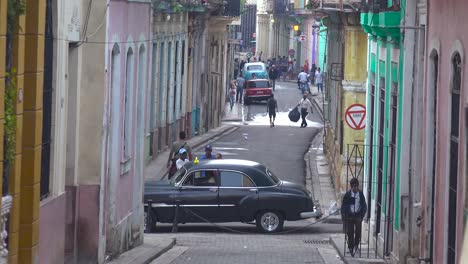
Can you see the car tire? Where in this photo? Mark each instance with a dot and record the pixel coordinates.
(150, 221)
(246, 101)
(269, 221)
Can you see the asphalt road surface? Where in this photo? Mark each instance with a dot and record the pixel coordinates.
(282, 149)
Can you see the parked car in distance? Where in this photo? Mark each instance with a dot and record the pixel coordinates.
(226, 190)
(258, 68)
(257, 90)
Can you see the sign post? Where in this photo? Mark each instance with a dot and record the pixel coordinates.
(355, 116)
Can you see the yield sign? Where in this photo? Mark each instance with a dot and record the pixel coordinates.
(355, 116)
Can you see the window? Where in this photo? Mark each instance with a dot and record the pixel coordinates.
(176, 79)
(381, 136)
(235, 179)
(161, 85)
(258, 84)
(168, 85)
(201, 178)
(127, 127)
(182, 73)
(454, 158)
(432, 136)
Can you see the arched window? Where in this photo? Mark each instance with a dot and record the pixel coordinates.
(454, 157)
(127, 127)
(431, 130)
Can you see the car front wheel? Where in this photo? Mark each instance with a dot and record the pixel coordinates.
(150, 221)
(269, 221)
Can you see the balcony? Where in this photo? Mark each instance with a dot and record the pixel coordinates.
(347, 6)
(383, 24)
(176, 6)
(232, 8)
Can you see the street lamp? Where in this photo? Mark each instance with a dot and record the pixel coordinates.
(296, 27)
(272, 20)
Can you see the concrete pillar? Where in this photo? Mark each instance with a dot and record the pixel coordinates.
(17, 62)
(32, 133)
(3, 32)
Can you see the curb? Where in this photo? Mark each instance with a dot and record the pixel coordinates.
(342, 257)
(143, 254)
(318, 108)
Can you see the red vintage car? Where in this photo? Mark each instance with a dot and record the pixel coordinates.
(257, 90)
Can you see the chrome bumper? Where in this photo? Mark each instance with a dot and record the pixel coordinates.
(317, 213)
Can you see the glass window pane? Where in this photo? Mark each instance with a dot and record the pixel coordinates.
(231, 179)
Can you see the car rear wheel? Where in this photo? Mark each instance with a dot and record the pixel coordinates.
(269, 221)
(246, 101)
(150, 221)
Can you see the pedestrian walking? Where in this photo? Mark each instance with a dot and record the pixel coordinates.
(207, 154)
(319, 80)
(313, 69)
(353, 209)
(240, 81)
(174, 154)
(272, 108)
(303, 79)
(305, 105)
(273, 74)
(232, 93)
(236, 67)
(182, 158)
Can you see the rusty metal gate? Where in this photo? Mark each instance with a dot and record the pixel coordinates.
(376, 181)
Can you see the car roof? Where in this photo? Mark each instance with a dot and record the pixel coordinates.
(256, 80)
(255, 170)
(255, 63)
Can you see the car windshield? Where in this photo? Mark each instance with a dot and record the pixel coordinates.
(177, 177)
(254, 68)
(258, 84)
(272, 176)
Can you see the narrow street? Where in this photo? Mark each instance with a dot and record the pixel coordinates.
(282, 149)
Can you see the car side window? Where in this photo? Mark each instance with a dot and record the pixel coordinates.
(201, 178)
(235, 179)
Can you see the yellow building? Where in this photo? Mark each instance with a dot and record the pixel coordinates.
(345, 92)
(27, 64)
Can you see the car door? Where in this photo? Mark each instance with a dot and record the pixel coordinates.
(238, 196)
(198, 196)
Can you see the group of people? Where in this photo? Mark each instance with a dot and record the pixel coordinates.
(181, 153)
(304, 78)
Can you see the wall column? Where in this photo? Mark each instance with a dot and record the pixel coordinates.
(3, 32)
(32, 133)
(15, 170)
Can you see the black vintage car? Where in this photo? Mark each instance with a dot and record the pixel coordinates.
(226, 190)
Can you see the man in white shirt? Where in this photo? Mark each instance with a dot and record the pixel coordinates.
(182, 158)
(304, 106)
(303, 79)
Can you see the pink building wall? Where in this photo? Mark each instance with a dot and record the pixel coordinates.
(446, 31)
(129, 26)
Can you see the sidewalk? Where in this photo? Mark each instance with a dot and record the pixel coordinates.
(153, 247)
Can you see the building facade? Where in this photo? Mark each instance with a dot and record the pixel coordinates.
(394, 124)
(444, 184)
(126, 141)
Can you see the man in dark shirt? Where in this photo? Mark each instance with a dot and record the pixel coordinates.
(272, 108)
(353, 209)
(273, 74)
